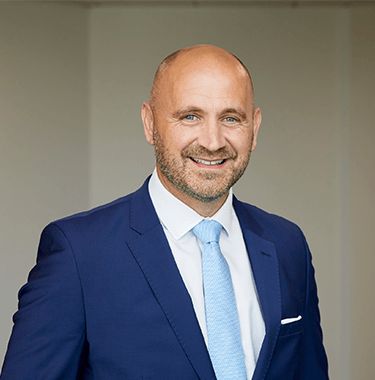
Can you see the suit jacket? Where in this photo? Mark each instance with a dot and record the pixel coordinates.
(106, 301)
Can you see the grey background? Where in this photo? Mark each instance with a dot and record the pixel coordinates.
(73, 77)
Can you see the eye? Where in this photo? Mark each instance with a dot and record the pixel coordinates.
(230, 119)
(190, 117)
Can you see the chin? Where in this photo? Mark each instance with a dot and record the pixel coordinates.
(205, 194)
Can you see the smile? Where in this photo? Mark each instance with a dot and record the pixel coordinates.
(204, 162)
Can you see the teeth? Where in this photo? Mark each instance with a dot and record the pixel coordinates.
(217, 162)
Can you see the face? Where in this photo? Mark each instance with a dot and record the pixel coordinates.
(204, 128)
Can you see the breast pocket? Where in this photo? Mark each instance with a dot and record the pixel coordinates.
(286, 358)
(291, 328)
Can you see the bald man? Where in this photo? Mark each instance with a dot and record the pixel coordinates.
(178, 280)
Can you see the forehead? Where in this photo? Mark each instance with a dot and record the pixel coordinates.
(207, 80)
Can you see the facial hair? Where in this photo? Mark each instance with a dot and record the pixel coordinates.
(208, 188)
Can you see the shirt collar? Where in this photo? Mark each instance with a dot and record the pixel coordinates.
(183, 218)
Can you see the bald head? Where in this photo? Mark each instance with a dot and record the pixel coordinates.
(195, 57)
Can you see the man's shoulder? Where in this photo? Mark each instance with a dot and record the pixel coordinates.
(115, 213)
(265, 224)
(98, 213)
(263, 216)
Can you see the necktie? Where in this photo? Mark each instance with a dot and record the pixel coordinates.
(223, 330)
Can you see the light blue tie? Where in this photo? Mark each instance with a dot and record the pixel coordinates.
(223, 329)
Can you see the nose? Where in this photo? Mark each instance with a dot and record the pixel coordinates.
(211, 135)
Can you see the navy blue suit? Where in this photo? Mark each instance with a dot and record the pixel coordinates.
(106, 301)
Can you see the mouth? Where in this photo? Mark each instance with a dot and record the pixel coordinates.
(209, 163)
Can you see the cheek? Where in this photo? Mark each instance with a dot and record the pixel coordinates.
(181, 138)
(241, 142)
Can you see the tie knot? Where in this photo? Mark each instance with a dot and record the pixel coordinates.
(208, 231)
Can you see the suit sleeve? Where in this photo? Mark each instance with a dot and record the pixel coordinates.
(314, 364)
(48, 337)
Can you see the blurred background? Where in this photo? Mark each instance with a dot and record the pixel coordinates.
(73, 76)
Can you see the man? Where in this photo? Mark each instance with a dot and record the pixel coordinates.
(136, 290)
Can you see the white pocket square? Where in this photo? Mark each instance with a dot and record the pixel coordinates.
(290, 320)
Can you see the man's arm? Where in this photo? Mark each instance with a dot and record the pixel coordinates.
(48, 337)
(314, 363)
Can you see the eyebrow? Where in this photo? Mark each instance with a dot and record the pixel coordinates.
(186, 110)
(240, 113)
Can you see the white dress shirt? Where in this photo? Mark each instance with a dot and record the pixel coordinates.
(177, 220)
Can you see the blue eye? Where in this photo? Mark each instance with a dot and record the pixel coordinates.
(190, 117)
(230, 119)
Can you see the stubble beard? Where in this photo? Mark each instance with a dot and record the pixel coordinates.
(209, 186)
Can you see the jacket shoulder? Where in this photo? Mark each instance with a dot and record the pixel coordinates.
(102, 221)
(268, 226)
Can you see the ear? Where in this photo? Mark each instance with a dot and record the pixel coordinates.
(148, 122)
(257, 119)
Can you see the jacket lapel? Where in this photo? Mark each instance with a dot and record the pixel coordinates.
(153, 254)
(263, 259)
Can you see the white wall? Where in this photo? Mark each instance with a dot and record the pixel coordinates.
(313, 70)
